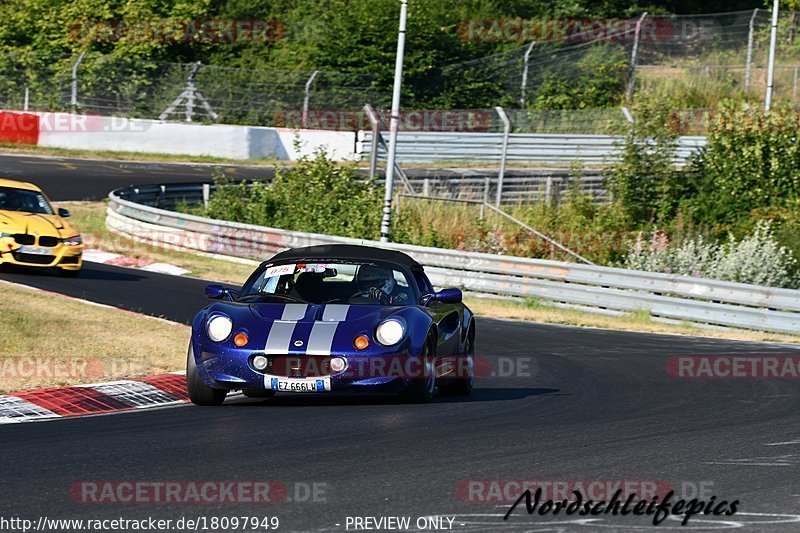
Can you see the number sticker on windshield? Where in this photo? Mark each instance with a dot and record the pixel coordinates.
(280, 270)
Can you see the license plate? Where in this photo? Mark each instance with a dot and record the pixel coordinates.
(282, 384)
(36, 250)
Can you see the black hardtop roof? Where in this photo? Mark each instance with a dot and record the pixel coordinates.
(346, 251)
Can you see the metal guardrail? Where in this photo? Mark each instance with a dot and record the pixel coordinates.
(601, 289)
(426, 147)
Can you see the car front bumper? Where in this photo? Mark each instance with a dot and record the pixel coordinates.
(61, 256)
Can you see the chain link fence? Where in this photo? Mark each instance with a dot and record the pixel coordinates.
(110, 85)
(561, 76)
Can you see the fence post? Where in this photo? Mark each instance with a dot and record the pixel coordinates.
(634, 53)
(307, 96)
(74, 97)
(773, 44)
(503, 154)
(749, 62)
(376, 132)
(525, 74)
(28, 96)
(794, 86)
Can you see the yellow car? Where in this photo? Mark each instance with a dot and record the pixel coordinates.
(32, 234)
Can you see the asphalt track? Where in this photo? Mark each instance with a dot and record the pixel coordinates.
(85, 179)
(559, 403)
(579, 404)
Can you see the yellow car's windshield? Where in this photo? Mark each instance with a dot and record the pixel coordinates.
(23, 200)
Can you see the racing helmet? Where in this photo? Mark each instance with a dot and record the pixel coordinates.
(370, 276)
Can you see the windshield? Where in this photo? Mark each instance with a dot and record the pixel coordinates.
(21, 200)
(329, 283)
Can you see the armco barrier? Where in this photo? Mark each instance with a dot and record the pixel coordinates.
(422, 147)
(601, 289)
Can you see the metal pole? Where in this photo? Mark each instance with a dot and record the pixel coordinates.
(394, 122)
(634, 53)
(749, 53)
(773, 42)
(307, 96)
(503, 154)
(525, 74)
(376, 134)
(74, 98)
(27, 98)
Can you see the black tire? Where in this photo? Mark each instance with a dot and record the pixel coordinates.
(199, 392)
(259, 393)
(462, 386)
(421, 389)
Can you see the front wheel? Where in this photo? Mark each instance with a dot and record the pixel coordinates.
(421, 388)
(199, 392)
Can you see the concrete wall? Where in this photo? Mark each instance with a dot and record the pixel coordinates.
(82, 132)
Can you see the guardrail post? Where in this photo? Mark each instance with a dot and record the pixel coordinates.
(73, 101)
(206, 194)
(426, 187)
(486, 185)
(548, 190)
(27, 98)
(749, 61)
(503, 154)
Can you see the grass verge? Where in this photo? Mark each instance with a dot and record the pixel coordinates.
(12, 148)
(68, 342)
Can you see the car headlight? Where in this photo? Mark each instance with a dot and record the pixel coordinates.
(389, 332)
(73, 241)
(219, 328)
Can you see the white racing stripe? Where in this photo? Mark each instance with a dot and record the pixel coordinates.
(320, 340)
(294, 311)
(280, 335)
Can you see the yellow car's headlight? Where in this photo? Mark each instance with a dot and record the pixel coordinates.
(77, 240)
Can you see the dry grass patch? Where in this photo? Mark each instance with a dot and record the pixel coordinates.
(539, 312)
(51, 340)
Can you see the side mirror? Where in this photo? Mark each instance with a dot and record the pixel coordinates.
(449, 296)
(63, 213)
(446, 296)
(215, 292)
(218, 292)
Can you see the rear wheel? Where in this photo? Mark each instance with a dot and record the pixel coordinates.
(421, 388)
(199, 392)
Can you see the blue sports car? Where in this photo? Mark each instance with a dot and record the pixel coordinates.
(332, 318)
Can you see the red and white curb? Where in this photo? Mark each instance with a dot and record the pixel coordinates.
(100, 398)
(108, 258)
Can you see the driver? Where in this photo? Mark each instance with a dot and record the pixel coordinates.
(378, 282)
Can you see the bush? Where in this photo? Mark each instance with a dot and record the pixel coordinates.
(750, 161)
(757, 259)
(316, 195)
(644, 182)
